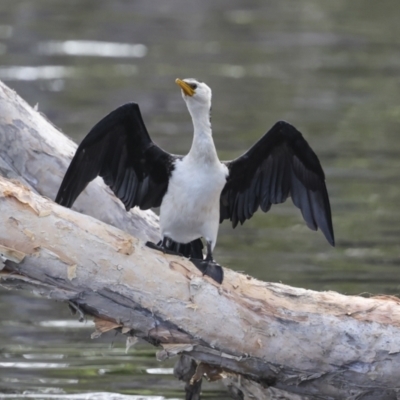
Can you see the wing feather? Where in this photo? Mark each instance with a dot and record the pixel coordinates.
(279, 165)
(119, 149)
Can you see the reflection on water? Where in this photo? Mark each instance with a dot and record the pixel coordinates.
(92, 48)
(163, 371)
(30, 73)
(330, 68)
(67, 323)
(57, 73)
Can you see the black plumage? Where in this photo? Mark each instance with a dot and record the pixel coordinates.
(279, 165)
(119, 149)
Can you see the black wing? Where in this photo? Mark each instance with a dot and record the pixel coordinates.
(279, 165)
(119, 149)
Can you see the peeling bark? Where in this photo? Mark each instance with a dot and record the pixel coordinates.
(267, 340)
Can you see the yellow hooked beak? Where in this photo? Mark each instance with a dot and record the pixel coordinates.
(185, 87)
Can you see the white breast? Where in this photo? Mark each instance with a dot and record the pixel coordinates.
(190, 208)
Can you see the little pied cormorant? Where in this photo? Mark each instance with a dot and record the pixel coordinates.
(198, 191)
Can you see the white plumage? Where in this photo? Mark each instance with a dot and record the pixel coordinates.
(190, 208)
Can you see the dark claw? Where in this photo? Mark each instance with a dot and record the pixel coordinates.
(159, 247)
(209, 268)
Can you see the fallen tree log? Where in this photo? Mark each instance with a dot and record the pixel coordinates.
(266, 340)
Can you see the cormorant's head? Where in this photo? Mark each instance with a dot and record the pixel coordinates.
(197, 95)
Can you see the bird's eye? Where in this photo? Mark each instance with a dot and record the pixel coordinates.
(193, 86)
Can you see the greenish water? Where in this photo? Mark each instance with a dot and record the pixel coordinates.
(330, 68)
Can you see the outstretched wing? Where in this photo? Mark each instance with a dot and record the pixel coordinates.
(119, 149)
(279, 165)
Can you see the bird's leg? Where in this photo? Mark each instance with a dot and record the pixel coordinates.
(196, 249)
(208, 266)
(164, 242)
(209, 256)
(163, 245)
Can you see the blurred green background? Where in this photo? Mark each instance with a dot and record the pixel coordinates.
(330, 68)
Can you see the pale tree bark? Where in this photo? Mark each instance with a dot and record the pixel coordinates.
(267, 340)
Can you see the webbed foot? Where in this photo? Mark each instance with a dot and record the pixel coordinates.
(209, 268)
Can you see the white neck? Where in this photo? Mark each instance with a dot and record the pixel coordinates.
(203, 147)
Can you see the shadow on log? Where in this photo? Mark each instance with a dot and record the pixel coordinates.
(265, 340)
